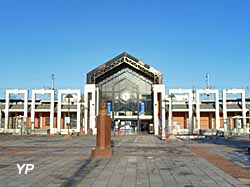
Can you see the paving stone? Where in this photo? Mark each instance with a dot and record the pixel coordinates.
(78, 171)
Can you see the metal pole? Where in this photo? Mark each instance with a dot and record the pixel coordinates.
(170, 111)
(170, 121)
(68, 114)
(138, 110)
(68, 96)
(0, 118)
(52, 81)
(249, 124)
(171, 98)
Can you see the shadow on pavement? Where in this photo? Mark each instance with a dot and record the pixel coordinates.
(81, 173)
(229, 142)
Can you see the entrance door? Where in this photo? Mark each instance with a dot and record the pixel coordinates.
(126, 102)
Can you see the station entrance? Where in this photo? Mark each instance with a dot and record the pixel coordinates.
(127, 85)
(129, 100)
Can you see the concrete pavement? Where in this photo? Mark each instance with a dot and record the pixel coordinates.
(137, 161)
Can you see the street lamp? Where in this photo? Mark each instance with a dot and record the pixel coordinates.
(1, 118)
(170, 97)
(249, 124)
(82, 101)
(169, 100)
(165, 107)
(68, 97)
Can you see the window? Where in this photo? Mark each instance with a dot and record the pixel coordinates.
(47, 121)
(125, 90)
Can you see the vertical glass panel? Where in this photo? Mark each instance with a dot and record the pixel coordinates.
(125, 90)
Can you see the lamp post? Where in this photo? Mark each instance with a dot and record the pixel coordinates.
(249, 124)
(170, 97)
(68, 97)
(165, 105)
(82, 128)
(81, 118)
(1, 118)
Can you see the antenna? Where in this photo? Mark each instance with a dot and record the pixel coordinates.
(208, 80)
(193, 91)
(248, 91)
(208, 84)
(52, 81)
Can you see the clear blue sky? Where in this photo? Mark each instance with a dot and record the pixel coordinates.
(184, 39)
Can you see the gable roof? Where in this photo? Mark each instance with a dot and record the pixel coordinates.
(122, 61)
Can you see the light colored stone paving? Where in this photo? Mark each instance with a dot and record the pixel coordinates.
(141, 171)
(123, 171)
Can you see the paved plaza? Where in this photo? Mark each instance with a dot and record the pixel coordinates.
(137, 161)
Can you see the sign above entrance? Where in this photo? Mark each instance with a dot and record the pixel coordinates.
(142, 108)
(109, 107)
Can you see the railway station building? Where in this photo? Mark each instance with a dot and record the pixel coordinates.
(137, 102)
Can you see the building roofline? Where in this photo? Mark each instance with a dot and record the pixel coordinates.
(118, 61)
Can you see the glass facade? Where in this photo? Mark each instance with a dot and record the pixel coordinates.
(127, 85)
(128, 93)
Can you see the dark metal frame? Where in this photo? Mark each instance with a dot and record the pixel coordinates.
(118, 63)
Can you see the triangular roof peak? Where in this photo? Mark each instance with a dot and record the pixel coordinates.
(123, 54)
(118, 62)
